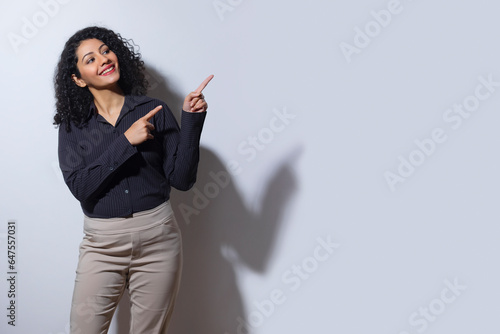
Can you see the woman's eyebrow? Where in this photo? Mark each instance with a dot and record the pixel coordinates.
(88, 53)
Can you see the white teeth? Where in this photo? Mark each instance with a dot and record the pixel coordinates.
(109, 69)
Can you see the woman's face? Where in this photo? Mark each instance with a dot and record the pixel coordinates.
(98, 65)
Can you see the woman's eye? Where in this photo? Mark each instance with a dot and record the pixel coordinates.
(90, 60)
(105, 51)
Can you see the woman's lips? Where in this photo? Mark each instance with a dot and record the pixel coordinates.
(108, 70)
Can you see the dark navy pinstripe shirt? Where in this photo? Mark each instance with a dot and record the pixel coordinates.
(112, 178)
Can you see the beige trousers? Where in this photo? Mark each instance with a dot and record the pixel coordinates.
(141, 254)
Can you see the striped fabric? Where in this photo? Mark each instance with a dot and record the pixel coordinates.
(112, 178)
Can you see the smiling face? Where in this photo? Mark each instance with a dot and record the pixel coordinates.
(98, 66)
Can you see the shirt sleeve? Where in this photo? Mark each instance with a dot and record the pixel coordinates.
(86, 180)
(181, 147)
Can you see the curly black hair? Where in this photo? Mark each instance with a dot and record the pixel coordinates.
(72, 101)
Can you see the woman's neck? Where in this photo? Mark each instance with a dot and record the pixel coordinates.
(108, 102)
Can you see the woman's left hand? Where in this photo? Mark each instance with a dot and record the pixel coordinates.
(195, 101)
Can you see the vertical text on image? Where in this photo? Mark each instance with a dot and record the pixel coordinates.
(12, 272)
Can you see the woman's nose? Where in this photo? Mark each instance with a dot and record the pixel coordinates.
(103, 59)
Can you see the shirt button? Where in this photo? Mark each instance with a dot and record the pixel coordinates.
(126, 191)
(114, 130)
(111, 168)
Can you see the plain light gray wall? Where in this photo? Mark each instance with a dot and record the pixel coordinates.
(349, 174)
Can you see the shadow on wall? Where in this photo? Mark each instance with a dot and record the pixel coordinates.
(224, 234)
(219, 232)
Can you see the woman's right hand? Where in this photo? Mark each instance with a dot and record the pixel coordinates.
(140, 131)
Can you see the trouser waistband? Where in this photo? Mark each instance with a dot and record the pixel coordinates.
(138, 221)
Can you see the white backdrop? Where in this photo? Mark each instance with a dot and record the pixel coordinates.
(349, 174)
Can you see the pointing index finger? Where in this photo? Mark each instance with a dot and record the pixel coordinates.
(153, 112)
(204, 84)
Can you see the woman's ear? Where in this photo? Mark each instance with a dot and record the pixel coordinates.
(79, 82)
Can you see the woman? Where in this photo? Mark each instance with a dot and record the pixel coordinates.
(120, 152)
